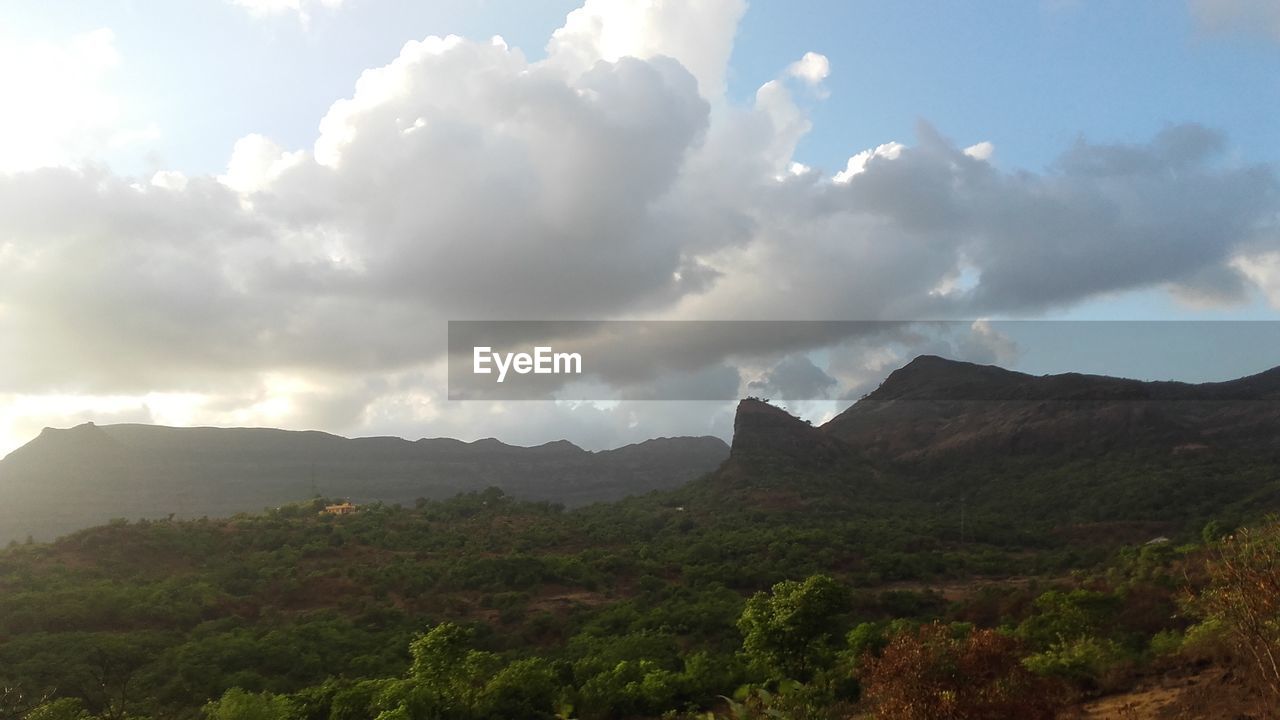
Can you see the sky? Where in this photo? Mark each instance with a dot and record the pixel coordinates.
(264, 212)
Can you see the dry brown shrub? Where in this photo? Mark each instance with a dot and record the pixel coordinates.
(932, 674)
(1242, 597)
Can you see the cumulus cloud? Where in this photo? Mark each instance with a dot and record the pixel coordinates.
(812, 68)
(310, 286)
(857, 163)
(255, 162)
(981, 151)
(700, 35)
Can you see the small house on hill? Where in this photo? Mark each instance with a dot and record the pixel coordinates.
(345, 508)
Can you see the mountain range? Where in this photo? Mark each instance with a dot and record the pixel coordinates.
(64, 480)
(1067, 449)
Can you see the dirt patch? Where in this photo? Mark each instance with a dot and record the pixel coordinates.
(568, 600)
(1213, 694)
(962, 590)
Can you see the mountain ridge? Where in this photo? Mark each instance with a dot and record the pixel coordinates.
(934, 406)
(66, 479)
(1052, 452)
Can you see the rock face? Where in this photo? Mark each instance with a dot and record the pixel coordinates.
(763, 429)
(68, 479)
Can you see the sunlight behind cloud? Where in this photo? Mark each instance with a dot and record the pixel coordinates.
(58, 104)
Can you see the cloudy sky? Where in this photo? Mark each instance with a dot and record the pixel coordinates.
(264, 212)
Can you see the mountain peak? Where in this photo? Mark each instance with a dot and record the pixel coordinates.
(86, 440)
(760, 428)
(933, 405)
(936, 378)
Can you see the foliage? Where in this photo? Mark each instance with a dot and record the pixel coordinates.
(937, 673)
(789, 632)
(1084, 660)
(485, 607)
(60, 709)
(236, 704)
(1242, 598)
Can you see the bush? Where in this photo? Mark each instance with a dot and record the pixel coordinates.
(933, 673)
(1243, 599)
(1086, 661)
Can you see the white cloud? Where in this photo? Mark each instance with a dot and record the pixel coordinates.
(255, 162)
(697, 34)
(857, 163)
(812, 68)
(981, 151)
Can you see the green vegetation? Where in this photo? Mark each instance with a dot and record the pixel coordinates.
(694, 601)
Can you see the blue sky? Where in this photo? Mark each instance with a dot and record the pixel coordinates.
(1030, 76)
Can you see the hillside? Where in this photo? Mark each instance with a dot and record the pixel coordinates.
(1048, 452)
(64, 480)
(941, 409)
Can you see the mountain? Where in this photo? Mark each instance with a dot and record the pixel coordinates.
(940, 408)
(1050, 451)
(64, 480)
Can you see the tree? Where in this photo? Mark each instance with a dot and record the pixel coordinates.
(1243, 597)
(788, 632)
(525, 688)
(60, 709)
(15, 704)
(236, 704)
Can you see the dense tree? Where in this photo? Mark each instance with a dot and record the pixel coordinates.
(789, 632)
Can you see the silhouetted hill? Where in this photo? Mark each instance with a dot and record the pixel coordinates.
(1021, 450)
(763, 429)
(936, 408)
(68, 479)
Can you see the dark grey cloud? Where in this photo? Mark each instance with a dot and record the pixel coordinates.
(795, 377)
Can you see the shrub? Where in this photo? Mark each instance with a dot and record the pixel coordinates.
(933, 674)
(1086, 661)
(1243, 598)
